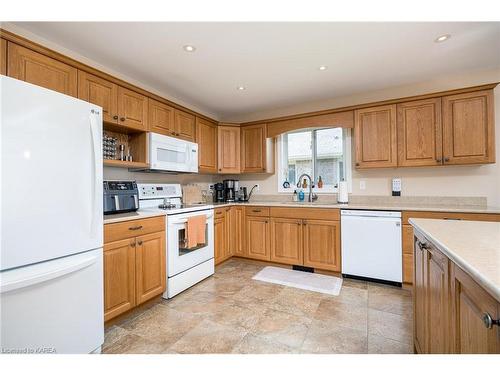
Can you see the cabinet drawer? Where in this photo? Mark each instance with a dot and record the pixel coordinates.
(133, 228)
(219, 212)
(449, 215)
(306, 213)
(257, 211)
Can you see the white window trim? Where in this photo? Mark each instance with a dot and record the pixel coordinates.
(325, 189)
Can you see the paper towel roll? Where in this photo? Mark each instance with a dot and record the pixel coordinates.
(342, 194)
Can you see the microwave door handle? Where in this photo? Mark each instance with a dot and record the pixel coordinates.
(136, 202)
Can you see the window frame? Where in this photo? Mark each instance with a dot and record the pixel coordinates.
(327, 189)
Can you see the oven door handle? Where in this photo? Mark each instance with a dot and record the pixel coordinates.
(184, 221)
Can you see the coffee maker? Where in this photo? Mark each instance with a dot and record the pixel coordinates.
(219, 192)
(230, 189)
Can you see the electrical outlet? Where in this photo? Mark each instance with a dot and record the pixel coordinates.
(396, 187)
(362, 185)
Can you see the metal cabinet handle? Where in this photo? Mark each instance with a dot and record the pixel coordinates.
(139, 242)
(489, 322)
(256, 210)
(439, 160)
(135, 228)
(357, 164)
(446, 160)
(122, 118)
(132, 243)
(115, 117)
(422, 245)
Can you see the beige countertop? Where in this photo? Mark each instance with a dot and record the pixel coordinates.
(372, 206)
(139, 214)
(144, 213)
(473, 245)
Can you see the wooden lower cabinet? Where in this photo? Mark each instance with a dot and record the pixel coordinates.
(151, 279)
(322, 244)
(286, 241)
(220, 239)
(119, 277)
(450, 308)
(134, 266)
(237, 231)
(470, 305)
(258, 237)
(3, 56)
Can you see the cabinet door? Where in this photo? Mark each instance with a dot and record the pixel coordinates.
(206, 137)
(38, 69)
(253, 148)
(419, 302)
(407, 245)
(286, 241)
(257, 237)
(100, 92)
(161, 118)
(185, 125)
(3, 56)
(419, 133)
(119, 277)
(220, 239)
(132, 109)
(470, 305)
(436, 295)
(468, 128)
(150, 266)
(322, 244)
(238, 233)
(229, 149)
(375, 137)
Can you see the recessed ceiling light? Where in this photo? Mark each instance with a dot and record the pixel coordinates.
(241, 88)
(189, 48)
(442, 38)
(323, 67)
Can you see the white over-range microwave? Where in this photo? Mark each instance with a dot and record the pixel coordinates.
(168, 154)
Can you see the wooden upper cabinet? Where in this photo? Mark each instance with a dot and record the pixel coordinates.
(229, 149)
(185, 125)
(3, 56)
(286, 241)
(132, 109)
(253, 148)
(161, 118)
(471, 305)
(206, 137)
(119, 277)
(100, 92)
(468, 128)
(419, 133)
(375, 137)
(33, 67)
(150, 266)
(322, 244)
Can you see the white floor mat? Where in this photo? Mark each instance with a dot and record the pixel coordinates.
(302, 280)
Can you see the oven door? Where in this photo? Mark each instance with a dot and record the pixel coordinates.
(179, 257)
(172, 154)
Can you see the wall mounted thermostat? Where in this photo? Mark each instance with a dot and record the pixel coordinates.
(396, 187)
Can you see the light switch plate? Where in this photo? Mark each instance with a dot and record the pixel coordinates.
(396, 187)
(362, 185)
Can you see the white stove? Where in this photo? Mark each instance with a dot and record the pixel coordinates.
(185, 266)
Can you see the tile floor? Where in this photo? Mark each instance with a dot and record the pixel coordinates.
(231, 313)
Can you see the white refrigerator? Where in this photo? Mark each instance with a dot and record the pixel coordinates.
(51, 230)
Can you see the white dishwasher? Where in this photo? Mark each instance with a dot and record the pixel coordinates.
(371, 245)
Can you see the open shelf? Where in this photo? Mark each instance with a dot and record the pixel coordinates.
(124, 164)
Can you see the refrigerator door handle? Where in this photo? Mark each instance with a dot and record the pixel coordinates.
(95, 166)
(38, 278)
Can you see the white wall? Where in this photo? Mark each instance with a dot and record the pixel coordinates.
(471, 181)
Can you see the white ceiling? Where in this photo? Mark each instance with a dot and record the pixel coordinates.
(276, 62)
